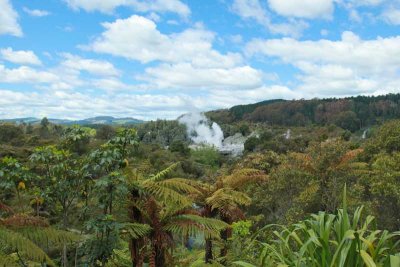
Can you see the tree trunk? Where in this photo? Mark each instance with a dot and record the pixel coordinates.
(225, 235)
(208, 213)
(135, 245)
(64, 256)
(159, 256)
(209, 253)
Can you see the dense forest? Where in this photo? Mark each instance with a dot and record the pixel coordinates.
(351, 113)
(318, 184)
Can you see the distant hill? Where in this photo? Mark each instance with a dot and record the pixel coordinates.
(351, 113)
(89, 121)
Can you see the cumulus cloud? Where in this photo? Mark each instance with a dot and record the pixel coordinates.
(188, 59)
(186, 76)
(26, 74)
(108, 6)
(20, 56)
(9, 19)
(253, 10)
(309, 9)
(225, 98)
(138, 38)
(348, 66)
(92, 66)
(36, 12)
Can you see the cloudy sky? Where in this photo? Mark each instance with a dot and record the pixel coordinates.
(160, 58)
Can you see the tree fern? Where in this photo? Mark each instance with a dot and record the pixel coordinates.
(11, 241)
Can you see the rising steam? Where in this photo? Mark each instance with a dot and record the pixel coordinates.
(202, 132)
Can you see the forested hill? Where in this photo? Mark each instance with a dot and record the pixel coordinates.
(351, 113)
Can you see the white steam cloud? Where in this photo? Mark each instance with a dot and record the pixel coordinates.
(200, 131)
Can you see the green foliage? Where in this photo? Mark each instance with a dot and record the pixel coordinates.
(180, 147)
(13, 176)
(105, 132)
(251, 144)
(207, 156)
(349, 113)
(327, 240)
(77, 138)
(121, 199)
(9, 132)
(14, 242)
(241, 228)
(161, 132)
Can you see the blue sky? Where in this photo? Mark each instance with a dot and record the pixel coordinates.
(160, 58)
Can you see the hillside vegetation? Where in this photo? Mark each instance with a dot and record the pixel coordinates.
(311, 192)
(351, 113)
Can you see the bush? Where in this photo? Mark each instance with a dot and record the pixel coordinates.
(9, 132)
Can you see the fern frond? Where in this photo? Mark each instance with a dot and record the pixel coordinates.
(24, 220)
(48, 236)
(136, 230)
(162, 174)
(8, 261)
(350, 156)
(180, 185)
(120, 258)
(16, 242)
(165, 194)
(242, 177)
(189, 224)
(224, 197)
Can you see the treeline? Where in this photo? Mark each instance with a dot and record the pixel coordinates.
(351, 113)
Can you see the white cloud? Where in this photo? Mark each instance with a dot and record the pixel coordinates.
(392, 16)
(348, 66)
(20, 56)
(138, 38)
(188, 60)
(253, 10)
(92, 66)
(26, 74)
(186, 76)
(9, 19)
(225, 98)
(36, 12)
(309, 9)
(108, 6)
(75, 105)
(110, 84)
(328, 80)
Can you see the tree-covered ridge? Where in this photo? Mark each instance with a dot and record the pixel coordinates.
(350, 113)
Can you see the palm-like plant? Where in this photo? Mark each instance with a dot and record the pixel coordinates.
(169, 220)
(328, 240)
(224, 199)
(150, 192)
